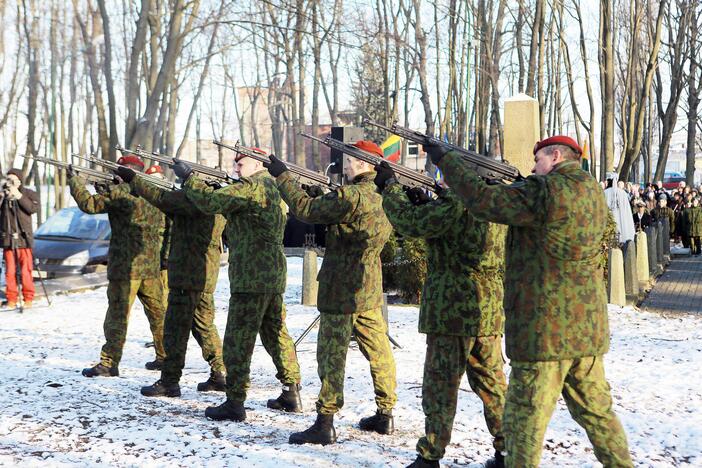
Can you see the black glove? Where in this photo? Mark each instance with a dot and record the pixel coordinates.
(314, 191)
(418, 196)
(126, 173)
(70, 172)
(276, 166)
(116, 179)
(384, 173)
(214, 184)
(182, 170)
(100, 188)
(436, 151)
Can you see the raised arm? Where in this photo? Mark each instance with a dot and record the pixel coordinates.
(333, 208)
(429, 220)
(232, 198)
(91, 204)
(171, 202)
(519, 204)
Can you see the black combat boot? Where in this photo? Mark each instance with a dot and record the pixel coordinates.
(216, 383)
(498, 461)
(231, 410)
(156, 364)
(321, 432)
(161, 389)
(99, 370)
(289, 400)
(421, 462)
(381, 422)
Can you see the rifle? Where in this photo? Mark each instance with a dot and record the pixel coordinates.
(90, 174)
(405, 175)
(112, 166)
(170, 161)
(486, 167)
(305, 176)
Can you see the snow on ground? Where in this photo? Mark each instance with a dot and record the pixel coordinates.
(52, 416)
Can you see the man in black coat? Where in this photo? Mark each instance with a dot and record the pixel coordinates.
(17, 205)
(642, 219)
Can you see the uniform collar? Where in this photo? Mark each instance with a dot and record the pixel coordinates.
(364, 177)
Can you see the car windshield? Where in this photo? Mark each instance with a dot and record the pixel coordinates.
(74, 224)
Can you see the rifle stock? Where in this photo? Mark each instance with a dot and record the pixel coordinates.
(305, 176)
(486, 167)
(405, 175)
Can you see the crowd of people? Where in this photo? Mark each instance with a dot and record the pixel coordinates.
(680, 207)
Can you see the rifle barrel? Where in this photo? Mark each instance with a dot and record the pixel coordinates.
(405, 175)
(486, 167)
(170, 161)
(306, 176)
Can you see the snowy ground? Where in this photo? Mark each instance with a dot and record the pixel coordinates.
(51, 416)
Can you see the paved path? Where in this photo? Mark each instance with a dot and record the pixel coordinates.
(678, 289)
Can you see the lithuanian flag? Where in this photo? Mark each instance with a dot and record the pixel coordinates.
(391, 148)
(585, 160)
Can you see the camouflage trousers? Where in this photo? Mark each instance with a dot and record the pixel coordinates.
(120, 297)
(533, 390)
(164, 287)
(252, 314)
(447, 359)
(333, 339)
(189, 311)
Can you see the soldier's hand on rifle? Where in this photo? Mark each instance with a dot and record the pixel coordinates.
(384, 174)
(127, 174)
(116, 179)
(70, 172)
(314, 191)
(214, 184)
(182, 170)
(436, 151)
(418, 196)
(276, 166)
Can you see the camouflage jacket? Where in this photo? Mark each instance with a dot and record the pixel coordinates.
(463, 291)
(193, 262)
(693, 221)
(664, 213)
(351, 278)
(136, 226)
(555, 299)
(255, 226)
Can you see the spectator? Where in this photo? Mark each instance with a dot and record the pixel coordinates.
(664, 213)
(642, 219)
(17, 205)
(694, 227)
(618, 203)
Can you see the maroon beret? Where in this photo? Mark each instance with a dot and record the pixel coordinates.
(369, 147)
(131, 159)
(558, 140)
(240, 156)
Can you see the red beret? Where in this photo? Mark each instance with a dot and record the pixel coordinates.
(131, 159)
(369, 147)
(240, 156)
(154, 170)
(558, 140)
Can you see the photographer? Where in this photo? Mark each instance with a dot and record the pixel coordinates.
(17, 205)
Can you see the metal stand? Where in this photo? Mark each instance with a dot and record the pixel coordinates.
(316, 321)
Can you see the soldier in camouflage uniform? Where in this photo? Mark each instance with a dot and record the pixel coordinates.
(555, 305)
(350, 291)
(257, 275)
(193, 269)
(133, 266)
(157, 171)
(460, 312)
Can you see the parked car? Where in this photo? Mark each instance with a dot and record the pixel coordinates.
(71, 242)
(672, 179)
